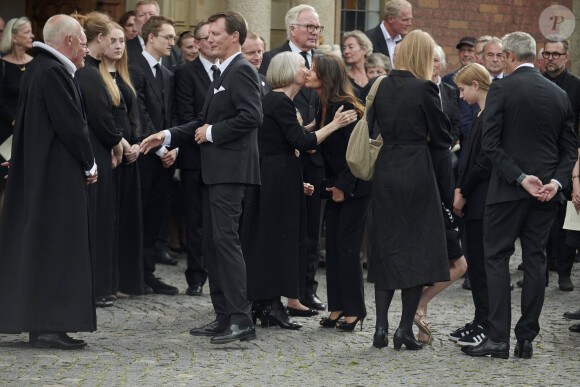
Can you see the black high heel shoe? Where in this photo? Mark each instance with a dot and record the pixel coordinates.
(349, 326)
(401, 338)
(380, 338)
(327, 322)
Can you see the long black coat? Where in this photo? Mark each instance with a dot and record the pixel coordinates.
(45, 264)
(274, 225)
(104, 134)
(408, 233)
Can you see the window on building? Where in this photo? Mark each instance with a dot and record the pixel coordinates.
(359, 15)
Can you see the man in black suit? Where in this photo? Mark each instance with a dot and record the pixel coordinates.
(192, 82)
(493, 58)
(154, 86)
(144, 9)
(529, 138)
(227, 131)
(384, 37)
(253, 50)
(302, 29)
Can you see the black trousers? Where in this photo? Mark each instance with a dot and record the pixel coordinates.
(503, 223)
(312, 174)
(557, 248)
(155, 191)
(223, 253)
(473, 233)
(196, 272)
(345, 227)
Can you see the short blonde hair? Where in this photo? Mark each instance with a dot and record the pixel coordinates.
(473, 72)
(362, 40)
(416, 54)
(393, 8)
(378, 60)
(12, 27)
(283, 69)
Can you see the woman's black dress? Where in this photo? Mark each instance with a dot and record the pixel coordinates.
(408, 232)
(128, 192)
(104, 134)
(345, 222)
(10, 77)
(274, 220)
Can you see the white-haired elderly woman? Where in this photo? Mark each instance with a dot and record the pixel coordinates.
(274, 226)
(447, 92)
(16, 40)
(356, 47)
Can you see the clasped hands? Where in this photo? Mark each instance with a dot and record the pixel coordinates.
(535, 187)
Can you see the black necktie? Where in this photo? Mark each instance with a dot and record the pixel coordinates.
(494, 79)
(216, 72)
(159, 76)
(305, 56)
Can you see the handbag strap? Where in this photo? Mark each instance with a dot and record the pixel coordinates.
(373, 92)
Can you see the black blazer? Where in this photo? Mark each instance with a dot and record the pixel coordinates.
(233, 107)
(191, 86)
(528, 128)
(172, 62)
(451, 108)
(155, 105)
(306, 100)
(474, 176)
(377, 38)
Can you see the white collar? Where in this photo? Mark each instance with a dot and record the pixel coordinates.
(223, 66)
(296, 49)
(152, 61)
(386, 34)
(70, 67)
(207, 64)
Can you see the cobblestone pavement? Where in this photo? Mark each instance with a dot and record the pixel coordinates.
(145, 341)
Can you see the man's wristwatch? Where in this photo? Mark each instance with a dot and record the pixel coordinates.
(521, 178)
(575, 177)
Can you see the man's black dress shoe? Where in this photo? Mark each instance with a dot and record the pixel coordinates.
(524, 349)
(301, 313)
(147, 289)
(166, 259)
(520, 283)
(234, 332)
(565, 284)
(58, 340)
(380, 338)
(573, 315)
(313, 302)
(212, 329)
(103, 302)
(160, 287)
(488, 347)
(575, 328)
(195, 290)
(410, 342)
(466, 283)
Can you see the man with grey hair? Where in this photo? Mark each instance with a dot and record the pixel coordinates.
(479, 43)
(555, 54)
(493, 58)
(529, 138)
(46, 279)
(384, 37)
(303, 28)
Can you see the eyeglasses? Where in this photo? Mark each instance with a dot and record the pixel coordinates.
(85, 46)
(310, 27)
(170, 38)
(555, 55)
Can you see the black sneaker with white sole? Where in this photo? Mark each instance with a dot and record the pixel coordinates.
(476, 337)
(461, 332)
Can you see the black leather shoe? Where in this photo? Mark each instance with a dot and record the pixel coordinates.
(103, 302)
(410, 342)
(573, 315)
(488, 347)
(276, 315)
(575, 328)
(466, 283)
(147, 289)
(195, 290)
(524, 349)
(380, 338)
(160, 287)
(212, 329)
(313, 302)
(521, 266)
(234, 332)
(166, 259)
(301, 313)
(565, 284)
(58, 340)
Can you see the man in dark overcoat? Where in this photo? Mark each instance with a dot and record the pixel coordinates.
(46, 282)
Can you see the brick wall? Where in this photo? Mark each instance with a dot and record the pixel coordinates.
(448, 20)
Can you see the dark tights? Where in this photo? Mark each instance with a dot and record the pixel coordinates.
(410, 298)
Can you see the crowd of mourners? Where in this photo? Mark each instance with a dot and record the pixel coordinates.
(126, 144)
